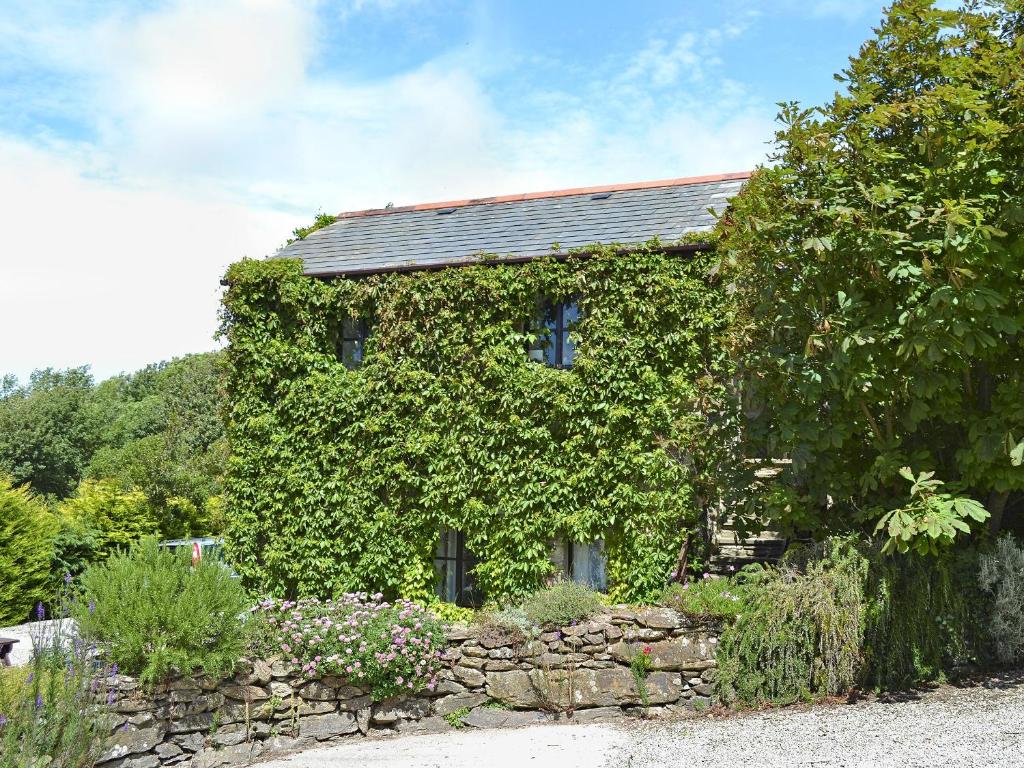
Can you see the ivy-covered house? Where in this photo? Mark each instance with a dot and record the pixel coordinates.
(468, 398)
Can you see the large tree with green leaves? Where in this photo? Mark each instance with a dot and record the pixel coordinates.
(879, 269)
(47, 432)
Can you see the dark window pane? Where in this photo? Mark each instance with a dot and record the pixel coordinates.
(354, 332)
(351, 353)
(570, 313)
(568, 350)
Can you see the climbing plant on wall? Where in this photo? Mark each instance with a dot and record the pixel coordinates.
(341, 479)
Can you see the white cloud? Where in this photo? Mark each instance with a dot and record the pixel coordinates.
(109, 276)
(212, 134)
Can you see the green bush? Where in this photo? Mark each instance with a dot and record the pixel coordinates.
(152, 611)
(562, 603)
(450, 612)
(120, 517)
(708, 598)
(1001, 574)
(922, 618)
(800, 636)
(27, 530)
(507, 625)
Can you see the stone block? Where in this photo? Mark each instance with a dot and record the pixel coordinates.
(469, 676)
(125, 743)
(579, 689)
(190, 742)
(659, 618)
(201, 722)
(680, 653)
(322, 727)
(167, 750)
(489, 717)
(353, 705)
(467, 700)
(239, 754)
(597, 715)
(241, 692)
(317, 691)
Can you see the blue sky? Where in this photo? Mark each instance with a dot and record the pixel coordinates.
(145, 146)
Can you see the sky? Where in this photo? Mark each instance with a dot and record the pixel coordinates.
(144, 146)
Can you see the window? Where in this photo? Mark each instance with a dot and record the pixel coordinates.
(552, 325)
(354, 332)
(583, 562)
(454, 566)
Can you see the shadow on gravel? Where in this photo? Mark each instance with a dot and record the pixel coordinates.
(1007, 679)
(1003, 680)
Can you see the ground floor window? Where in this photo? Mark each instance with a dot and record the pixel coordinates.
(582, 562)
(454, 563)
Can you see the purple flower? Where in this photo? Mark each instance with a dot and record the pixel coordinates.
(40, 611)
(39, 701)
(92, 606)
(67, 578)
(114, 668)
(111, 696)
(3, 721)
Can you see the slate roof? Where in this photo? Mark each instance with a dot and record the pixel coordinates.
(513, 227)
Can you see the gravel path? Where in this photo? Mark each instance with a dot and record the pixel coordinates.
(975, 726)
(972, 726)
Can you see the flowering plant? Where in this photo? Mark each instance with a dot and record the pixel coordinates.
(390, 648)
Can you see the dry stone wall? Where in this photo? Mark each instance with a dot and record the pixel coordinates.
(579, 672)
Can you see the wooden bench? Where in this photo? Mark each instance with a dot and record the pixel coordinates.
(6, 646)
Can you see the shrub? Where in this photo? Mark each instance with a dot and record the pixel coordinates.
(708, 598)
(121, 517)
(1001, 574)
(799, 637)
(45, 713)
(451, 613)
(152, 611)
(27, 530)
(920, 617)
(390, 648)
(508, 625)
(562, 603)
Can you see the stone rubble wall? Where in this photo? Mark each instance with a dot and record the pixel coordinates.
(575, 673)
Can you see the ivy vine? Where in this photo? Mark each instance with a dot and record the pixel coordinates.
(341, 479)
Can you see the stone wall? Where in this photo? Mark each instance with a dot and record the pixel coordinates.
(579, 672)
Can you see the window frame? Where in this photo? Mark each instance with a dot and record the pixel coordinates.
(354, 330)
(554, 338)
(463, 562)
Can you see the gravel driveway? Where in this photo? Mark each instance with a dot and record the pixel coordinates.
(972, 726)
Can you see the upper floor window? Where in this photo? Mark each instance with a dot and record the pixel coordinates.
(551, 327)
(354, 332)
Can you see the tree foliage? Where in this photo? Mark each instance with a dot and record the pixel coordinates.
(27, 529)
(47, 431)
(879, 271)
(157, 432)
(340, 480)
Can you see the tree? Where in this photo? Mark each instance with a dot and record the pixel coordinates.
(878, 266)
(27, 529)
(119, 518)
(46, 431)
